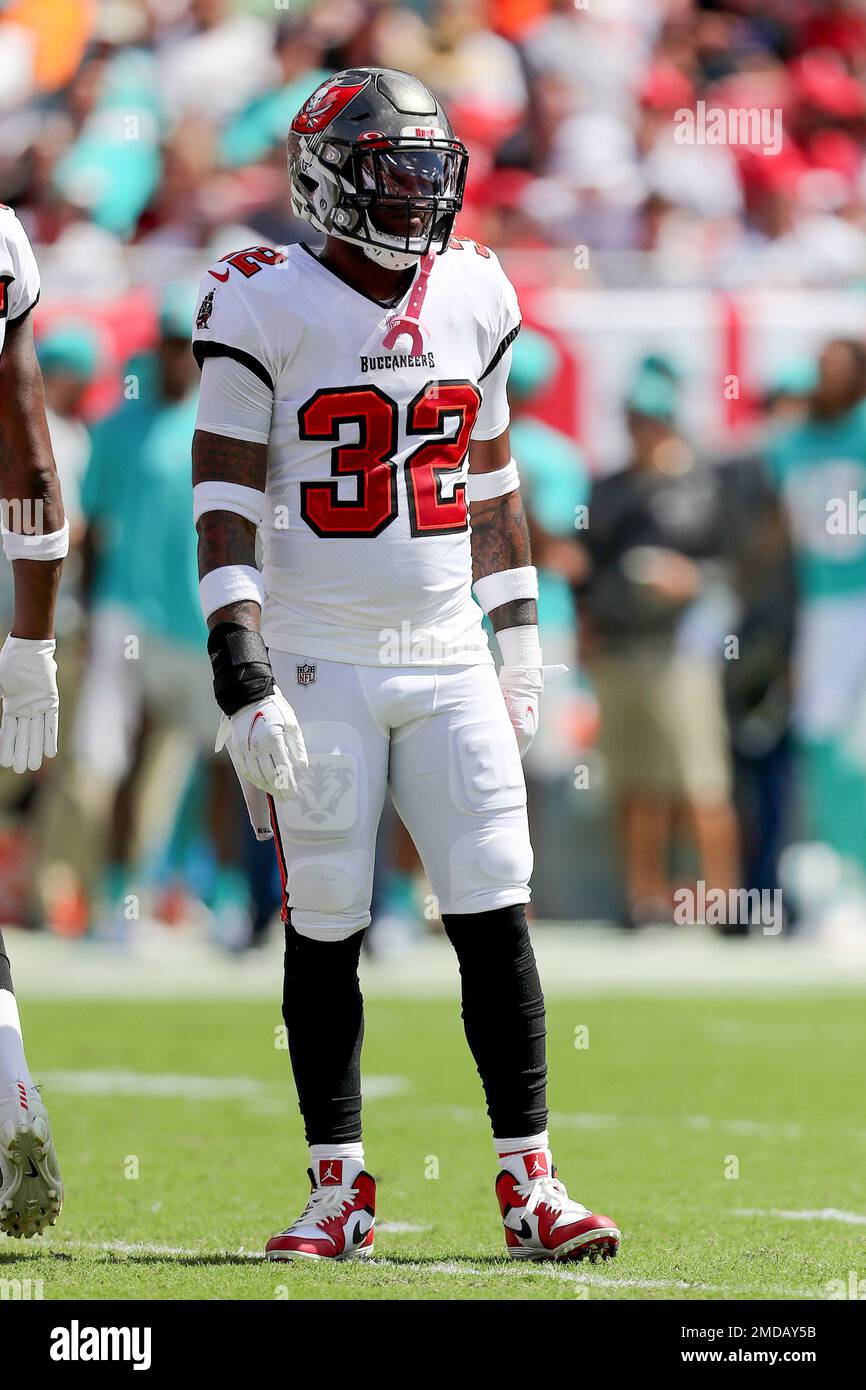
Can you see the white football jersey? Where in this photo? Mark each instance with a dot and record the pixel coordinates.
(19, 276)
(368, 412)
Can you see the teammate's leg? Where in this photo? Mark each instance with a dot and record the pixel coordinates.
(13, 1066)
(325, 843)
(457, 782)
(31, 1192)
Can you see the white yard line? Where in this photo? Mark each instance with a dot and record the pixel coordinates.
(180, 1086)
(610, 1282)
(585, 1120)
(589, 1278)
(762, 1128)
(845, 1218)
(159, 1085)
(142, 1247)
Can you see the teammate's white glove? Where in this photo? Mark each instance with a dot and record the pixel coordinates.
(28, 684)
(522, 679)
(266, 745)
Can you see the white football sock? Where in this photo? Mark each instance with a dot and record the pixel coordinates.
(336, 1165)
(526, 1157)
(13, 1065)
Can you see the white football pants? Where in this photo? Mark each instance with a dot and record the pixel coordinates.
(441, 741)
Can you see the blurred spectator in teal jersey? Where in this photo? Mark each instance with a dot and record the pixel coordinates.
(554, 480)
(147, 684)
(69, 357)
(555, 486)
(262, 125)
(113, 166)
(819, 467)
(69, 354)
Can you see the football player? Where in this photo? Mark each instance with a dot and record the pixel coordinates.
(343, 388)
(35, 538)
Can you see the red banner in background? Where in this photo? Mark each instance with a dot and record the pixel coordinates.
(125, 326)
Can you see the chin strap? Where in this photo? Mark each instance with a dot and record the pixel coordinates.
(390, 260)
(409, 323)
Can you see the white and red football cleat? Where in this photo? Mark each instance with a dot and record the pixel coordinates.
(543, 1223)
(31, 1192)
(338, 1221)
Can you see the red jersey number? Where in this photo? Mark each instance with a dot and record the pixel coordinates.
(249, 261)
(432, 463)
(371, 458)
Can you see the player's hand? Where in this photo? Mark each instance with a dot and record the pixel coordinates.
(28, 684)
(266, 745)
(522, 686)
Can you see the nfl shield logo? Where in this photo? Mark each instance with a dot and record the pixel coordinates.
(306, 674)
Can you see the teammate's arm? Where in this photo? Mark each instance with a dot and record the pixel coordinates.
(258, 725)
(35, 538)
(28, 478)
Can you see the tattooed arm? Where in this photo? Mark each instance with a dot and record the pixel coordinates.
(224, 538)
(500, 534)
(505, 580)
(259, 726)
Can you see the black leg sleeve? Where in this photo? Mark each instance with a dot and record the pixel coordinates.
(5, 971)
(503, 1015)
(324, 1016)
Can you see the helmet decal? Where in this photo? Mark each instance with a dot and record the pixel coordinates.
(326, 102)
(371, 171)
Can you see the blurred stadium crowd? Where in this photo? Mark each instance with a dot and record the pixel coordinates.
(716, 714)
(157, 123)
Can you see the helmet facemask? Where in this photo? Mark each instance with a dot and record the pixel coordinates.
(396, 199)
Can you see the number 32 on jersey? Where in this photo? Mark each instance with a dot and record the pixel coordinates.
(438, 406)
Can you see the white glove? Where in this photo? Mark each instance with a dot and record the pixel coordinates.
(28, 684)
(266, 745)
(522, 679)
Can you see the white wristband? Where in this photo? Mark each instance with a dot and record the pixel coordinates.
(520, 647)
(482, 487)
(219, 496)
(53, 546)
(230, 584)
(492, 590)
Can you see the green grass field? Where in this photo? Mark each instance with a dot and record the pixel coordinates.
(172, 1195)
